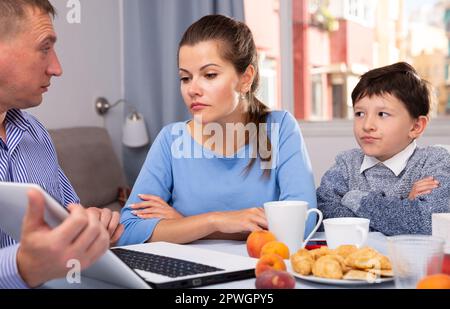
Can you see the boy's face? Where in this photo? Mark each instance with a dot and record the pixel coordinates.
(383, 127)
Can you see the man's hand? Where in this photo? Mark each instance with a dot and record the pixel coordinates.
(422, 187)
(43, 253)
(110, 220)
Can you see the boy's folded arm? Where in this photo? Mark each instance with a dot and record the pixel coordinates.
(394, 215)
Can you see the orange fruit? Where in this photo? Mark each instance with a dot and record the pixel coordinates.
(256, 240)
(438, 281)
(276, 247)
(269, 261)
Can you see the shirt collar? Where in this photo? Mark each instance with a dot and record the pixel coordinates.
(396, 164)
(17, 118)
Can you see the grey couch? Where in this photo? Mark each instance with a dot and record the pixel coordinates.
(87, 158)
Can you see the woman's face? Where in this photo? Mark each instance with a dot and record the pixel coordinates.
(210, 85)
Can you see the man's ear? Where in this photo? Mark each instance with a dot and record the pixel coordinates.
(419, 126)
(247, 79)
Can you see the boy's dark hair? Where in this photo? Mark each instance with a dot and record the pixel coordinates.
(13, 13)
(400, 80)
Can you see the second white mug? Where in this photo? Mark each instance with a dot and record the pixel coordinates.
(346, 231)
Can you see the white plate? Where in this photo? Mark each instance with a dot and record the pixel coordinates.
(315, 279)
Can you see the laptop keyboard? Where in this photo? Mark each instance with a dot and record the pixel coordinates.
(162, 265)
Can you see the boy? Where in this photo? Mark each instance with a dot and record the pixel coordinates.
(389, 180)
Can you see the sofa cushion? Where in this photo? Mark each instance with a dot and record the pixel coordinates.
(86, 156)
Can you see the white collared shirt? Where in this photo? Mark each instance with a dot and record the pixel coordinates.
(396, 164)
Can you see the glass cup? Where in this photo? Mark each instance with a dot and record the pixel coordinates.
(414, 257)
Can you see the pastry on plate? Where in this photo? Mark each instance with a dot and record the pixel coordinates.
(329, 267)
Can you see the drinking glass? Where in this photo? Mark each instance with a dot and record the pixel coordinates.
(414, 257)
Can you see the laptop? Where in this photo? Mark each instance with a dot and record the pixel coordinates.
(149, 265)
(167, 265)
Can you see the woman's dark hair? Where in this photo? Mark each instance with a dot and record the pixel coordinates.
(400, 80)
(238, 47)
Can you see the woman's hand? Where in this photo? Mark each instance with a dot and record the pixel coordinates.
(246, 220)
(422, 187)
(154, 207)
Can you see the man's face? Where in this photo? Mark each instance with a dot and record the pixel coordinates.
(27, 62)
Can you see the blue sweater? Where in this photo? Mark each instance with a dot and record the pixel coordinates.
(382, 197)
(209, 182)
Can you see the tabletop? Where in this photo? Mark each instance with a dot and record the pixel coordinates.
(375, 240)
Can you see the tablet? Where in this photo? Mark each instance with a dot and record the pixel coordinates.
(13, 205)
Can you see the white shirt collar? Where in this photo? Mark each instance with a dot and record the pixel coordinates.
(396, 164)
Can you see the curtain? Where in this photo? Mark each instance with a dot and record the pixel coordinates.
(152, 31)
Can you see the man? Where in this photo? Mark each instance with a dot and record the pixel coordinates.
(27, 63)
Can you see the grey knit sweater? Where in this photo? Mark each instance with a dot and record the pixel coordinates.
(382, 197)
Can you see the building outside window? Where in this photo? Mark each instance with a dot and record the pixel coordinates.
(268, 90)
(317, 98)
(334, 42)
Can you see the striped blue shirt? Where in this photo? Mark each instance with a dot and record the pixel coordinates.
(28, 156)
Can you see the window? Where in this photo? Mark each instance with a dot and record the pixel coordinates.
(268, 84)
(338, 93)
(317, 97)
(360, 11)
(334, 42)
(352, 8)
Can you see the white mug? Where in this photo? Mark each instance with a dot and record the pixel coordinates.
(287, 222)
(346, 231)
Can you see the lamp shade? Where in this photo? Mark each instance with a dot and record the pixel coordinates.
(134, 131)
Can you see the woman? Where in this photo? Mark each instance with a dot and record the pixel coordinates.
(209, 177)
